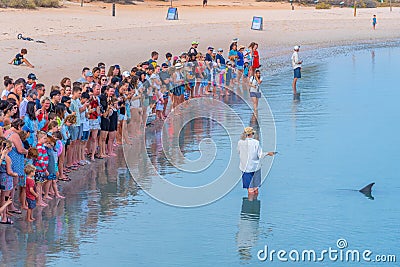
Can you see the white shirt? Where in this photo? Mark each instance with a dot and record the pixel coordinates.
(295, 60)
(255, 85)
(250, 153)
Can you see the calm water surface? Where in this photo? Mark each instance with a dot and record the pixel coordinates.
(341, 135)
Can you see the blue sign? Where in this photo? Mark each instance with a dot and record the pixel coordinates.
(172, 13)
(257, 23)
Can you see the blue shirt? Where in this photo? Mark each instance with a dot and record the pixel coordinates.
(221, 59)
(240, 60)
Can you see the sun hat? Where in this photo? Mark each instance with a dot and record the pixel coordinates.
(241, 47)
(178, 66)
(296, 47)
(235, 40)
(249, 130)
(126, 74)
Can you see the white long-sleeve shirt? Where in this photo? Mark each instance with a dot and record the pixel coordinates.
(250, 153)
(295, 60)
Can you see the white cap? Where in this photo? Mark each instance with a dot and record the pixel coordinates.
(296, 47)
(126, 74)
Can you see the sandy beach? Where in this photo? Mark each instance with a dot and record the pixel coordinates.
(82, 36)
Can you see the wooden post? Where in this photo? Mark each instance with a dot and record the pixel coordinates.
(355, 8)
(81, 3)
(171, 3)
(113, 9)
(390, 5)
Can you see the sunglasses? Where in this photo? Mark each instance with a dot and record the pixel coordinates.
(104, 79)
(15, 107)
(68, 102)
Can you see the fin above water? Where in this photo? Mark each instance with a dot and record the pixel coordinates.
(367, 191)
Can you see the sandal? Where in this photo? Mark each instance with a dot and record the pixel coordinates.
(8, 221)
(15, 211)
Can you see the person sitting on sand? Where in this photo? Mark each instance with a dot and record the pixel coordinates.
(19, 59)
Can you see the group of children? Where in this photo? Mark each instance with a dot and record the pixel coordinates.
(44, 139)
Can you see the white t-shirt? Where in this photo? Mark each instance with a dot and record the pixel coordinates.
(295, 60)
(255, 88)
(84, 121)
(154, 77)
(135, 103)
(4, 93)
(250, 153)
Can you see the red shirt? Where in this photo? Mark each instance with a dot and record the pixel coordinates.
(94, 103)
(256, 60)
(30, 183)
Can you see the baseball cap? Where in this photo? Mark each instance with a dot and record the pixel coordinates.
(210, 48)
(296, 47)
(32, 76)
(235, 40)
(195, 42)
(54, 93)
(126, 74)
(65, 99)
(242, 47)
(220, 50)
(89, 74)
(117, 66)
(164, 65)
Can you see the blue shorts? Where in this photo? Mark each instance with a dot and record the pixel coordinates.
(240, 67)
(74, 132)
(297, 73)
(31, 203)
(85, 135)
(52, 177)
(251, 179)
(255, 94)
(122, 117)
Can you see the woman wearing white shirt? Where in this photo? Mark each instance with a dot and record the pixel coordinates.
(250, 153)
(255, 93)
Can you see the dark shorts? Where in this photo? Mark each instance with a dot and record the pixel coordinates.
(297, 73)
(251, 179)
(31, 203)
(85, 135)
(104, 124)
(255, 94)
(40, 177)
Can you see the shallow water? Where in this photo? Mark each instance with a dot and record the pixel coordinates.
(340, 136)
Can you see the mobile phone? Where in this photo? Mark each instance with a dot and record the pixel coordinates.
(6, 198)
(4, 145)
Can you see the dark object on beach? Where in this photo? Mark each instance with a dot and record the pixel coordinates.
(20, 37)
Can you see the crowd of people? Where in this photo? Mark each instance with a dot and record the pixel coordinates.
(44, 138)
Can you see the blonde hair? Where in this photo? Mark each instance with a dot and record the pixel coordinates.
(29, 169)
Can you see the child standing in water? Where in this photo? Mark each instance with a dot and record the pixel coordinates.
(31, 194)
(41, 164)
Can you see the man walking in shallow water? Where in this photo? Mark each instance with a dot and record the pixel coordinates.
(296, 63)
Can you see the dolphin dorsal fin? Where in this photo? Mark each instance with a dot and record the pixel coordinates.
(367, 189)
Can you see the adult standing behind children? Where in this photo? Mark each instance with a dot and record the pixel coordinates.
(296, 63)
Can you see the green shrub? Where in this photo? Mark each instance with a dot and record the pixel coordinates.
(323, 5)
(18, 3)
(47, 3)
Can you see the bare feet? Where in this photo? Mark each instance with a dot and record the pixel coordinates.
(113, 155)
(47, 197)
(42, 204)
(60, 197)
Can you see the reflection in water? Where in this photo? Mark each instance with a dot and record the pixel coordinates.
(66, 224)
(249, 232)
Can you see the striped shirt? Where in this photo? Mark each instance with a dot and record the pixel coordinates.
(42, 162)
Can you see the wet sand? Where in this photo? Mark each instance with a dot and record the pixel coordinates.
(77, 37)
